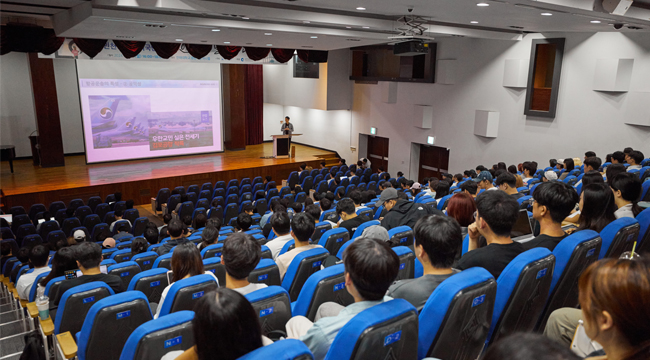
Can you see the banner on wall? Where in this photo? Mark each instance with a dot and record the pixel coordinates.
(69, 50)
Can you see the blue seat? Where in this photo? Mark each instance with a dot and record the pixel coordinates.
(171, 204)
(363, 226)
(323, 286)
(114, 318)
(150, 282)
(90, 221)
(31, 240)
(572, 256)
(118, 223)
(320, 230)
(69, 224)
(59, 205)
(233, 182)
(184, 293)
(329, 215)
(266, 272)
(32, 290)
(161, 198)
(401, 235)
(619, 236)
(215, 266)
(455, 320)
(121, 255)
(98, 229)
(273, 308)
(145, 260)
(230, 213)
(53, 236)
(126, 270)
(35, 209)
(106, 253)
(81, 212)
(522, 289)
(524, 198)
(406, 262)
(643, 241)
(213, 250)
(443, 201)
(288, 349)
(108, 262)
(645, 194)
(153, 339)
(571, 180)
(75, 304)
(388, 330)
(220, 185)
(302, 266)
(100, 210)
(75, 203)
(365, 212)
(163, 261)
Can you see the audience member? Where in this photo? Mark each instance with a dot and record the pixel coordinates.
(496, 214)
(592, 163)
(265, 218)
(462, 207)
(350, 220)
(627, 192)
(508, 183)
(23, 259)
(166, 219)
(175, 229)
(281, 225)
(63, 260)
(370, 268)
(634, 158)
(151, 235)
(314, 211)
(355, 195)
(569, 165)
(199, 221)
(243, 222)
(437, 242)
(139, 245)
(470, 188)
(108, 242)
(187, 225)
(118, 216)
(129, 204)
(484, 181)
(549, 175)
(186, 262)
(612, 171)
(442, 189)
(592, 177)
(529, 171)
(618, 157)
(553, 203)
(528, 346)
(240, 255)
(121, 232)
(38, 257)
(597, 207)
(302, 228)
(209, 236)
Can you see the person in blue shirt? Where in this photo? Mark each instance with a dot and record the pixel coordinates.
(370, 268)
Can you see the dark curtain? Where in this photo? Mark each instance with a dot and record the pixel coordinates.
(29, 39)
(129, 49)
(256, 53)
(254, 95)
(198, 51)
(165, 50)
(315, 56)
(303, 55)
(282, 55)
(90, 47)
(228, 52)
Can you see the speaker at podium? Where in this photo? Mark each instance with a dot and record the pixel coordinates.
(281, 145)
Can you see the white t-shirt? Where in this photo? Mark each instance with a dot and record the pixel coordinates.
(623, 211)
(277, 244)
(250, 288)
(634, 167)
(164, 293)
(24, 285)
(285, 259)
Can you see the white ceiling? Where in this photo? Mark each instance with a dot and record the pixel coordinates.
(293, 24)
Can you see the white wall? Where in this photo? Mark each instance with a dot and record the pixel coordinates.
(17, 116)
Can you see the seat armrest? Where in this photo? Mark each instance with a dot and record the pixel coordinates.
(48, 326)
(67, 344)
(23, 303)
(32, 309)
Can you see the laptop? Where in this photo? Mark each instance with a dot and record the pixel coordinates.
(522, 230)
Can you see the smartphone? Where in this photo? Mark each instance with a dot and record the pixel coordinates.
(170, 276)
(70, 274)
(103, 269)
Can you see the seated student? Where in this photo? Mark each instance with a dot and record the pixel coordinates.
(402, 212)
(484, 181)
(281, 225)
(350, 220)
(23, 259)
(209, 236)
(118, 216)
(553, 202)
(370, 268)
(63, 260)
(199, 221)
(597, 207)
(322, 165)
(296, 207)
(591, 164)
(225, 324)
(265, 218)
(462, 207)
(89, 256)
(240, 255)
(129, 204)
(549, 176)
(496, 214)
(529, 346)
(355, 195)
(138, 246)
(175, 229)
(151, 235)
(589, 154)
(529, 171)
(612, 171)
(108, 242)
(186, 262)
(38, 257)
(442, 189)
(122, 232)
(46, 217)
(266, 230)
(187, 228)
(118, 198)
(180, 203)
(302, 228)
(438, 240)
(569, 165)
(166, 219)
(243, 222)
(508, 183)
(314, 211)
(469, 187)
(627, 191)
(634, 158)
(618, 157)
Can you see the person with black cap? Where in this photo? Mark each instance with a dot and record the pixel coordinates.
(402, 212)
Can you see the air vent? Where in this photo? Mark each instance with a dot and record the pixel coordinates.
(125, 37)
(352, 39)
(308, 47)
(155, 26)
(516, 27)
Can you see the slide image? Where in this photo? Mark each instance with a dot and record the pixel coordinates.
(180, 129)
(119, 121)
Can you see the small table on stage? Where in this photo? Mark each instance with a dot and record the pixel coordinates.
(8, 153)
(281, 145)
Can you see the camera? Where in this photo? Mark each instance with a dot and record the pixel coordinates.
(410, 9)
(618, 26)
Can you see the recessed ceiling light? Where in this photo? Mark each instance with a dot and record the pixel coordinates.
(361, 8)
(314, 37)
(473, 22)
(366, 27)
(595, 21)
(268, 34)
(547, 14)
(216, 29)
(482, 4)
(226, 42)
(306, 21)
(269, 44)
(348, 27)
(245, 18)
(179, 39)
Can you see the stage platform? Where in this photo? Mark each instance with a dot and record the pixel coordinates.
(141, 179)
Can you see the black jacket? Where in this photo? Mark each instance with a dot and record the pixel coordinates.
(407, 213)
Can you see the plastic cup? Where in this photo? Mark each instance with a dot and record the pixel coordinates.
(43, 305)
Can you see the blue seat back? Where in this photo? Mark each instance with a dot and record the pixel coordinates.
(302, 266)
(145, 260)
(406, 262)
(184, 293)
(213, 250)
(121, 255)
(388, 330)
(365, 211)
(442, 202)
(401, 235)
(320, 229)
(273, 308)
(151, 283)
(329, 215)
(455, 320)
(161, 198)
(363, 226)
(125, 270)
(153, 339)
(288, 349)
(215, 266)
(619, 236)
(643, 241)
(163, 261)
(327, 285)
(265, 272)
(76, 302)
(32, 290)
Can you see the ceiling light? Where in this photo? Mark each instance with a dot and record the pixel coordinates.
(361, 8)
(366, 27)
(547, 14)
(348, 27)
(482, 4)
(269, 44)
(226, 42)
(595, 21)
(245, 18)
(216, 29)
(179, 39)
(473, 22)
(268, 34)
(314, 37)
(306, 22)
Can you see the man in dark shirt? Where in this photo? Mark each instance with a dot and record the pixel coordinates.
(508, 183)
(89, 256)
(175, 230)
(438, 241)
(554, 201)
(347, 211)
(402, 212)
(496, 213)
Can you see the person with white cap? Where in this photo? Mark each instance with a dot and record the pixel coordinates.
(79, 236)
(549, 176)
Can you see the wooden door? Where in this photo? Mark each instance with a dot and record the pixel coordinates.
(378, 152)
(434, 161)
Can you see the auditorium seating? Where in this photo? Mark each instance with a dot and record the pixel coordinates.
(184, 293)
(273, 307)
(75, 304)
(301, 268)
(266, 272)
(153, 339)
(322, 286)
(618, 236)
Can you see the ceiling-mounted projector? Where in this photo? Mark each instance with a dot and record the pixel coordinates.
(617, 7)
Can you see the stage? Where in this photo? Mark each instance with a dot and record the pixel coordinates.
(141, 179)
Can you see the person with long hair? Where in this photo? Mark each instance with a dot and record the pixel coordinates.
(225, 327)
(614, 298)
(569, 165)
(442, 189)
(186, 262)
(461, 207)
(597, 207)
(627, 190)
(209, 237)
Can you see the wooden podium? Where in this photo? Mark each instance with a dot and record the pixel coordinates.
(281, 145)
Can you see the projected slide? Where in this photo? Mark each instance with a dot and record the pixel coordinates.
(134, 119)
